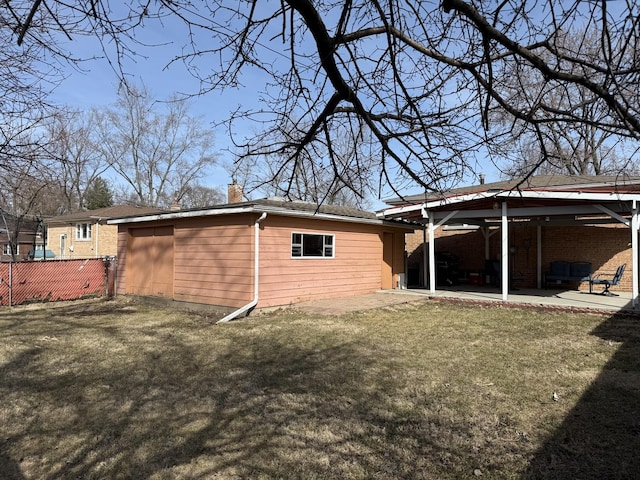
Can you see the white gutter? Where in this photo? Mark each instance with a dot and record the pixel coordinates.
(98, 238)
(257, 208)
(174, 215)
(439, 202)
(541, 194)
(569, 195)
(256, 274)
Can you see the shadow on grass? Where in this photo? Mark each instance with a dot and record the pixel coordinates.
(9, 468)
(600, 438)
(247, 406)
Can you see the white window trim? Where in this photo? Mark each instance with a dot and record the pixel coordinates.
(79, 229)
(324, 245)
(6, 249)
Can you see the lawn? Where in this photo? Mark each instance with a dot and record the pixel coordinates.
(121, 389)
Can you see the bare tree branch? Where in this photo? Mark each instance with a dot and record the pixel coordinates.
(434, 87)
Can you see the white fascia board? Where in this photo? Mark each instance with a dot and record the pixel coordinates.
(187, 214)
(556, 195)
(395, 211)
(253, 209)
(441, 202)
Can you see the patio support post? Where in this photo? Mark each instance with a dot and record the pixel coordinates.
(425, 258)
(505, 252)
(432, 255)
(485, 233)
(539, 257)
(634, 254)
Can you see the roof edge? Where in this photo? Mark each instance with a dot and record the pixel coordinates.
(259, 209)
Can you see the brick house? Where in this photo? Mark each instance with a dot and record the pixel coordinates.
(522, 226)
(28, 232)
(86, 234)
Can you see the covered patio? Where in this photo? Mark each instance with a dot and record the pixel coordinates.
(537, 203)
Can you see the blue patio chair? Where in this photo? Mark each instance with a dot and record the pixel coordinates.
(601, 279)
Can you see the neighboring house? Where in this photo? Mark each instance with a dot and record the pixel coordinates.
(521, 226)
(86, 234)
(260, 253)
(29, 237)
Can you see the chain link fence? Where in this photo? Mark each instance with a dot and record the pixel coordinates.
(53, 280)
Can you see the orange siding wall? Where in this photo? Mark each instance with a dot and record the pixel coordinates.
(356, 268)
(214, 260)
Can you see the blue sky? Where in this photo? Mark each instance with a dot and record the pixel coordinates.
(97, 86)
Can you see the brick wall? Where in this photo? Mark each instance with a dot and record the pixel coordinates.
(103, 242)
(606, 247)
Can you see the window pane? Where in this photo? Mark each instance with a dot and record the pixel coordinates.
(312, 245)
(83, 231)
(296, 244)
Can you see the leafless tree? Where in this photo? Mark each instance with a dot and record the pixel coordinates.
(157, 153)
(334, 171)
(199, 196)
(26, 79)
(28, 189)
(569, 148)
(74, 146)
(27, 75)
(424, 78)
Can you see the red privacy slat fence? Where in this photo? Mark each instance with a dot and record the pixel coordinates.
(49, 281)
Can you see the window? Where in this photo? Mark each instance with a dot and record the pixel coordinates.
(6, 249)
(311, 245)
(83, 231)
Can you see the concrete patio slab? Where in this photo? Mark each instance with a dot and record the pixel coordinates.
(568, 299)
(573, 299)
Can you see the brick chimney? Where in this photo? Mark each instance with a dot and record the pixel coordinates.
(234, 193)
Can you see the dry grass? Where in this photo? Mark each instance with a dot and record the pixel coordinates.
(126, 390)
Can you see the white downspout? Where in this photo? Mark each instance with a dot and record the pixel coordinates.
(97, 254)
(634, 254)
(256, 274)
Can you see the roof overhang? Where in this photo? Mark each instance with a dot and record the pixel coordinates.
(537, 205)
(260, 209)
(570, 195)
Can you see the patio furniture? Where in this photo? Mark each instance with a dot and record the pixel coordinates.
(560, 272)
(601, 279)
